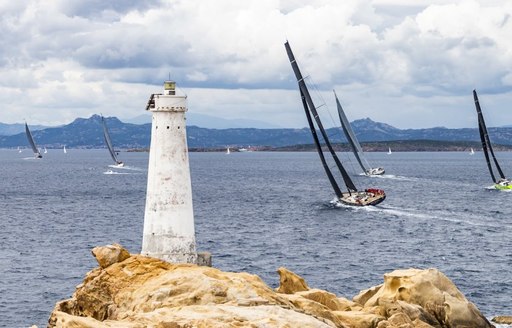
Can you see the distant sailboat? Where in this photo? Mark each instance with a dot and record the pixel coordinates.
(64, 150)
(502, 183)
(352, 196)
(108, 142)
(472, 152)
(37, 154)
(19, 149)
(389, 151)
(354, 143)
(45, 151)
(228, 151)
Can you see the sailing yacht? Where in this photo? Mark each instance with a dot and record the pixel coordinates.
(108, 142)
(45, 150)
(352, 196)
(354, 143)
(228, 151)
(502, 183)
(472, 152)
(37, 153)
(389, 151)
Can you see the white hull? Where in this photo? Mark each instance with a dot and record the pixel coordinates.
(363, 198)
(375, 171)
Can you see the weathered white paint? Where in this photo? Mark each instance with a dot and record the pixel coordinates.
(169, 217)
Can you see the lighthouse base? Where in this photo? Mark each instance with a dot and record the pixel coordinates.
(170, 248)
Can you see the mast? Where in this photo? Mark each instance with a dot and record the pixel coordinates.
(308, 102)
(106, 136)
(486, 142)
(333, 182)
(31, 142)
(351, 137)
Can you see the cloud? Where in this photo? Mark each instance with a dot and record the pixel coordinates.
(402, 63)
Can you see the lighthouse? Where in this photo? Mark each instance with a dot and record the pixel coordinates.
(169, 232)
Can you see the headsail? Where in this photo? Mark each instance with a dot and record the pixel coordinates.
(351, 137)
(486, 142)
(108, 142)
(37, 154)
(310, 109)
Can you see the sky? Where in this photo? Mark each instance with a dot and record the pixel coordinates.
(407, 63)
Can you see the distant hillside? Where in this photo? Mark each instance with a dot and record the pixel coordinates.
(87, 133)
(12, 129)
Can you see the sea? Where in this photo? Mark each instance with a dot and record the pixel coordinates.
(256, 212)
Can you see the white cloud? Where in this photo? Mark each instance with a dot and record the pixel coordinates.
(400, 62)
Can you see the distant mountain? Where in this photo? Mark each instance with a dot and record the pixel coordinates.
(210, 122)
(87, 133)
(12, 129)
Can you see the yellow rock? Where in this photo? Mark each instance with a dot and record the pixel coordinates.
(133, 291)
(290, 283)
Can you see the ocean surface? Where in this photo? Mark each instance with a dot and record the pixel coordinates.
(256, 212)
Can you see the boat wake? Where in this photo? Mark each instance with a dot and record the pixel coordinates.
(126, 167)
(392, 176)
(110, 172)
(447, 216)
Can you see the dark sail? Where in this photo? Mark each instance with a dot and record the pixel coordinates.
(37, 154)
(310, 106)
(108, 142)
(349, 134)
(332, 180)
(486, 142)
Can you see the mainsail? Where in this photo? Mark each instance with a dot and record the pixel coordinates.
(37, 154)
(108, 142)
(486, 142)
(310, 109)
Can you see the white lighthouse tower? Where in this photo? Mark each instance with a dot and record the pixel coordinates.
(169, 232)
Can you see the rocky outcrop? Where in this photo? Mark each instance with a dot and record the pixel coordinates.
(137, 291)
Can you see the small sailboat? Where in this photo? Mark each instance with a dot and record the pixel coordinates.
(108, 142)
(228, 151)
(64, 150)
(354, 143)
(471, 152)
(352, 196)
(19, 149)
(502, 183)
(36, 151)
(45, 150)
(389, 151)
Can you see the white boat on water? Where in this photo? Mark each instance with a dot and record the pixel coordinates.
(36, 151)
(472, 152)
(228, 151)
(501, 182)
(352, 196)
(64, 150)
(389, 151)
(354, 143)
(108, 142)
